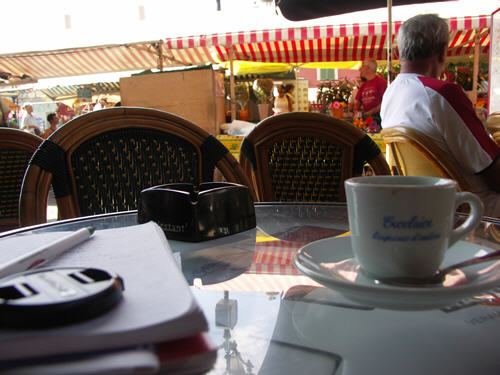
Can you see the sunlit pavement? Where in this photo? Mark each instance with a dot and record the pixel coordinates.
(51, 207)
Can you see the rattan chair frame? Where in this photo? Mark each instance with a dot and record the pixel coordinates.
(433, 159)
(493, 126)
(303, 124)
(85, 127)
(19, 140)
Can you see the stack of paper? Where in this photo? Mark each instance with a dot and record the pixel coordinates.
(157, 308)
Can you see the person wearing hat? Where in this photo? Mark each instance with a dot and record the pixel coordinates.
(28, 123)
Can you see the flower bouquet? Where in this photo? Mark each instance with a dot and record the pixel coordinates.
(359, 123)
(368, 125)
(330, 92)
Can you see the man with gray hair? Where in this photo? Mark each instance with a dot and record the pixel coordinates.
(441, 110)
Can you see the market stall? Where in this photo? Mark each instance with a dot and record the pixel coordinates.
(469, 36)
(292, 47)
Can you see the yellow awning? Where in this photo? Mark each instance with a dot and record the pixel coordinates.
(333, 65)
(252, 67)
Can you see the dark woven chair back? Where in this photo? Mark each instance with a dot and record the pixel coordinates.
(100, 162)
(16, 149)
(305, 169)
(305, 157)
(111, 169)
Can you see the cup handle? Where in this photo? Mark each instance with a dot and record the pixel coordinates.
(476, 212)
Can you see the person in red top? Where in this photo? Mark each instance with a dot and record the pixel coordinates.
(369, 96)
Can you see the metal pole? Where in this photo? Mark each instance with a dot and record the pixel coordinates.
(476, 67)
(389, 41)
(296, 91)
(159, 49)
(231, 85)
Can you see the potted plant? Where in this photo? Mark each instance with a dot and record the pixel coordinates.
(263, 88)
(242, 96)
(334, 95)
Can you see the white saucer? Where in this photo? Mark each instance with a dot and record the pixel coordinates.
(331, 262)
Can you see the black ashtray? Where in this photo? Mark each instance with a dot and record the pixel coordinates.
(189, 213)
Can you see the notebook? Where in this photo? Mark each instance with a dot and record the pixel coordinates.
(157, 304)
(191, 355)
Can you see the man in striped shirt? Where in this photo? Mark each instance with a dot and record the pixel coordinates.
(441, 110)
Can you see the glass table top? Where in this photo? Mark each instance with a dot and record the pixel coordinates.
(268, 318)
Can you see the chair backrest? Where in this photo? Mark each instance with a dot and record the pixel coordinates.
(99, 162)
(493, 125)
(415, 154)
(305, 157)
(16, 149)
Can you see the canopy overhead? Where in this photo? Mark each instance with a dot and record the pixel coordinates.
(353, 42)
(318, 44)
(71, 91)
(253, 67)
(86, 60)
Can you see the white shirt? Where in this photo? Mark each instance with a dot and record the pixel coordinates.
(29, 124)
(28, 120)
(443, 112)
(281, 104)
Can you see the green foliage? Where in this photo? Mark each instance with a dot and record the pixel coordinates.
(242, 94)
(263, 89)
(462, 73)
(382, 71)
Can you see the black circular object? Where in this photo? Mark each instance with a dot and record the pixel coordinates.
(57, 296)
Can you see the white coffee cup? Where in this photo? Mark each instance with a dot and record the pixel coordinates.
(401, 226)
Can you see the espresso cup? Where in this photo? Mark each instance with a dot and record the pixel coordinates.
(401, 226)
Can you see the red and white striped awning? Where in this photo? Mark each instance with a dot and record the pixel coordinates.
(86, 60)
(252, 282)
(272, 270)
(353, 42)
(290, 45)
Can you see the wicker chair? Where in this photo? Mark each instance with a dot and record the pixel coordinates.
(415, 154)
(99, 162)
(16, 149)
(493, 125)
(305, 157)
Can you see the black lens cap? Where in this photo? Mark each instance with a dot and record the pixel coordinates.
(51, 297)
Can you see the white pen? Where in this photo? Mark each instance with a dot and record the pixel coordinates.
(45, 253)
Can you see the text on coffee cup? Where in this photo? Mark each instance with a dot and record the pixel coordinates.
(391, 222)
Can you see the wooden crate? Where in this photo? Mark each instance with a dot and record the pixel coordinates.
(197, 95)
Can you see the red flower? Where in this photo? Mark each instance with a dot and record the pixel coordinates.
(336, 104)
(368, 121)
